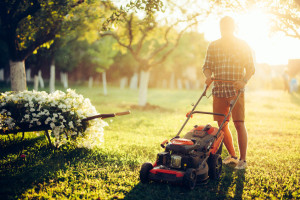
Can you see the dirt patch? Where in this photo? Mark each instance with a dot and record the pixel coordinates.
(148, 107)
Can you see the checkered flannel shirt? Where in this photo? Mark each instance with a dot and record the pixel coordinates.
(228, 59)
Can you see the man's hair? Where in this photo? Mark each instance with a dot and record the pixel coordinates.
(227, 24)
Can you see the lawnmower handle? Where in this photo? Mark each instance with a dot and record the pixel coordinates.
(103, 116)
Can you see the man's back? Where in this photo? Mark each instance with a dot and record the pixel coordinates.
(228, 58)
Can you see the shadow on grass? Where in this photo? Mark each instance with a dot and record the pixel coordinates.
(40, 165)
(230, 186)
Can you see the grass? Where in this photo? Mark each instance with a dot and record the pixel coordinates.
(112, 170)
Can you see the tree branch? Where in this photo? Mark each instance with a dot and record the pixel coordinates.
(116, 38)
(129, 22)
(29, 11)
(14, 8)
(23, 54)
(140, 42)
(174, 47)
(166, 39)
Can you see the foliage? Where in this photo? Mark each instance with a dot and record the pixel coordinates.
(26, 25)
(124, 65)
(191, 51)
(102, 53)
(151, 38)
(112, 171)
(63, 113)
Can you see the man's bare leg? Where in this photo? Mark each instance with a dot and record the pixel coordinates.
(228, 141)
(242, 138)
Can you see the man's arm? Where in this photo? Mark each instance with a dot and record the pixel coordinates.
(242, 83)
(209, 61)
(207, 73)
(250, 70)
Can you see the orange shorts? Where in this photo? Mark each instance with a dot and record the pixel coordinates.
(222, 105)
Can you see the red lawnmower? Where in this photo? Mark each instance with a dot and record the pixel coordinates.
(195, 157)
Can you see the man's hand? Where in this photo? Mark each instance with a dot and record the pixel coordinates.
(239, 85)
(208, 81)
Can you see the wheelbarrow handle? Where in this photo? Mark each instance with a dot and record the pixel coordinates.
(122, 113)
(103, 116)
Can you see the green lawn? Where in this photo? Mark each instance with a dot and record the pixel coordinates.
(112, 170)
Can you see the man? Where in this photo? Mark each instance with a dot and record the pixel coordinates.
(230, 58)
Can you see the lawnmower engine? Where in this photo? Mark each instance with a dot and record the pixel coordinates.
(196, 157)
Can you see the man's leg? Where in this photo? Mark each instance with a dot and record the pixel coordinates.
(242, 138)
(228, 141)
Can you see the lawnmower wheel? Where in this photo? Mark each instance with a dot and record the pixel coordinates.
(190, 178)
(215, 166)
(144, 173)
(220, 149)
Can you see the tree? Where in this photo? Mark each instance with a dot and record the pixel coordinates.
(25, 26)
(150, 42)
(287, 15)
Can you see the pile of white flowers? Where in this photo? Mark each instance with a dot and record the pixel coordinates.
(60, 112)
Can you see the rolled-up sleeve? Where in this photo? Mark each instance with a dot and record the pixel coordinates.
(209, 60)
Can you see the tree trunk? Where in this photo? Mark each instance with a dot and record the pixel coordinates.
(91, 80)
(36, 83)
(1, 74)
(123, 82)
(143, 87)
(179, 84)
(187, 84)
(28, 75)
(64, 79)
(66, 85)
(104, 83)
(52, 78)
(41, 80)
(17, 75)
(134, 82)
(172, 81)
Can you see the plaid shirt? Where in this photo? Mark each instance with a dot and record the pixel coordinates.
(228, 59)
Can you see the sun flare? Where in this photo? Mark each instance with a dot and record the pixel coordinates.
(254, 27)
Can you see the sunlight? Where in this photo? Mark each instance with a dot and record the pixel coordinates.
(255, 28)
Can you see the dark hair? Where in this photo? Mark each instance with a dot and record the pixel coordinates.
(227, 24)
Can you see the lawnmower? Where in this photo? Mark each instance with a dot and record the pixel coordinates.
(194, 158)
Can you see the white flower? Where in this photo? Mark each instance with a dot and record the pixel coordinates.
(52, 125)
(71, 124)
